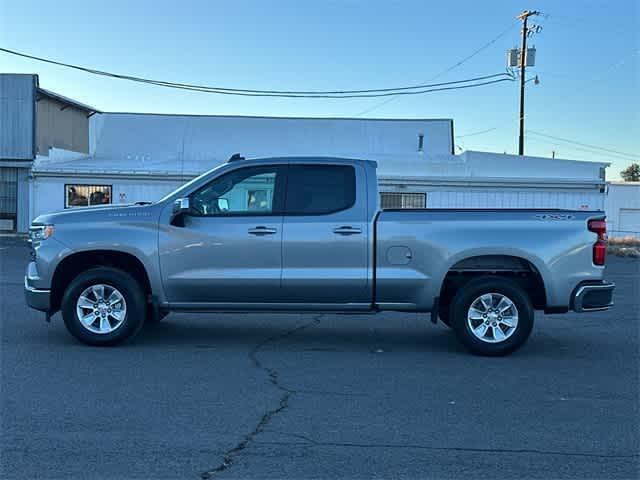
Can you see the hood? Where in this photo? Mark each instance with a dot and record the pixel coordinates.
(98, 213)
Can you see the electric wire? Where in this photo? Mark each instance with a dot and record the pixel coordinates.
(363, 93)
(586, 145)
(452, 67)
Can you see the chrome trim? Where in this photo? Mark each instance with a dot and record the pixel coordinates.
(33, 289)
(584, 289)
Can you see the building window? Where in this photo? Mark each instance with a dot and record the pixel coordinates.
(390, 200)
(86, 195)
(421, 142)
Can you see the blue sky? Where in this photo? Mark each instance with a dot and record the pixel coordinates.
(587, 61)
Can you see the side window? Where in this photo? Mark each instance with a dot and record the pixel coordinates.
(320, 189)
(246, 191)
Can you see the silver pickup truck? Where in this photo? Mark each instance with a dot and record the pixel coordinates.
(307, 234)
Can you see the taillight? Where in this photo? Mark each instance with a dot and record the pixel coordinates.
(600, 247)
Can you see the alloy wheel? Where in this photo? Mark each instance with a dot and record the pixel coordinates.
(101, 308)
(492, 317)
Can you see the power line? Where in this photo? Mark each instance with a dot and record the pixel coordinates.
(603, 72)
(593, 147)
(452, 67)
(558, 148)
(480, 132)
(366, 93)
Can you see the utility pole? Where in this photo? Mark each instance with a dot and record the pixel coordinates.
(524, 16)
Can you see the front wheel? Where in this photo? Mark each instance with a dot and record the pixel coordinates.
(103, 306)
(492, 316)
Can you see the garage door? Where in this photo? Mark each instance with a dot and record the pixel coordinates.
(630, 220)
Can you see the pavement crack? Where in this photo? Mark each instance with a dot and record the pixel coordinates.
(306, 441)
(273, 376)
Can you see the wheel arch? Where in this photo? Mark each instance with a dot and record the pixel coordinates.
(74, 264)
(522, 270)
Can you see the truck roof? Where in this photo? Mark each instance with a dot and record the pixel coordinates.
(304, 159)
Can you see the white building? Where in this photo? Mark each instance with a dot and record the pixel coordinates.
(134, 157)
(33, 121)
(57, 153)
(622, 205)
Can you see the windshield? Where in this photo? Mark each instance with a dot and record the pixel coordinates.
(189, 184)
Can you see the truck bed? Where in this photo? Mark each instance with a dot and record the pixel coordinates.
(415, 249)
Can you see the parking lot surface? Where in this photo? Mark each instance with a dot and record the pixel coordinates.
(319, 396)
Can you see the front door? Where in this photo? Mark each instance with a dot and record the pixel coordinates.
(227, 249)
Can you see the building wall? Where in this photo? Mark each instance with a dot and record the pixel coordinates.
(622, 206)
(145, 156)
(61, 126)
(196, 143)
(461, 197)
(17, 139)
(23, 218)
(48, 193)
(17, 94)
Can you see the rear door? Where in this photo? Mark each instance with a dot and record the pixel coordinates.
(324, 236)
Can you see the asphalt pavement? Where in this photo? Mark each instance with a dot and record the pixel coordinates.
(318, 396)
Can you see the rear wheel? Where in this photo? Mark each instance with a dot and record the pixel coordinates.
(492, 316)
(103, 306)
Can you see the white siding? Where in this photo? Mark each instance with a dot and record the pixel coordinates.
(48, 193)
(623, 209)
(498, 198)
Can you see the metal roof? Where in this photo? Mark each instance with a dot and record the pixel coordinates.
(61, 98)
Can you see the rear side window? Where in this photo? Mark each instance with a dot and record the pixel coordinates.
(320, 189)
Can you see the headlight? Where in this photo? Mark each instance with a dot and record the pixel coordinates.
(37, 233)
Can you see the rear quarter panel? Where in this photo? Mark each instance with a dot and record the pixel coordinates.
(556, 243)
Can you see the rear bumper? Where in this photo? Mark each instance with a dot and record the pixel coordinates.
(37, 298)
(592, 296)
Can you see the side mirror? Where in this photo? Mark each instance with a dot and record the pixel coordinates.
(181, 205)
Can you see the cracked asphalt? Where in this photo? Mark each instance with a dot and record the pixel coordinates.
(318, 396)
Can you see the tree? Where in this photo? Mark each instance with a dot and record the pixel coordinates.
(631, 173)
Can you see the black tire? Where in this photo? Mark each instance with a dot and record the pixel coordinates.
(469, 293)
(128, 287)
(443, 315)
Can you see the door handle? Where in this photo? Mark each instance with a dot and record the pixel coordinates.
(262, 230)
(347, 230)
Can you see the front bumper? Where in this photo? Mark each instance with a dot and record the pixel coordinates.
(37, 298)
(593, 296)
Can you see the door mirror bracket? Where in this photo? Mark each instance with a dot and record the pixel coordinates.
(181, 205)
